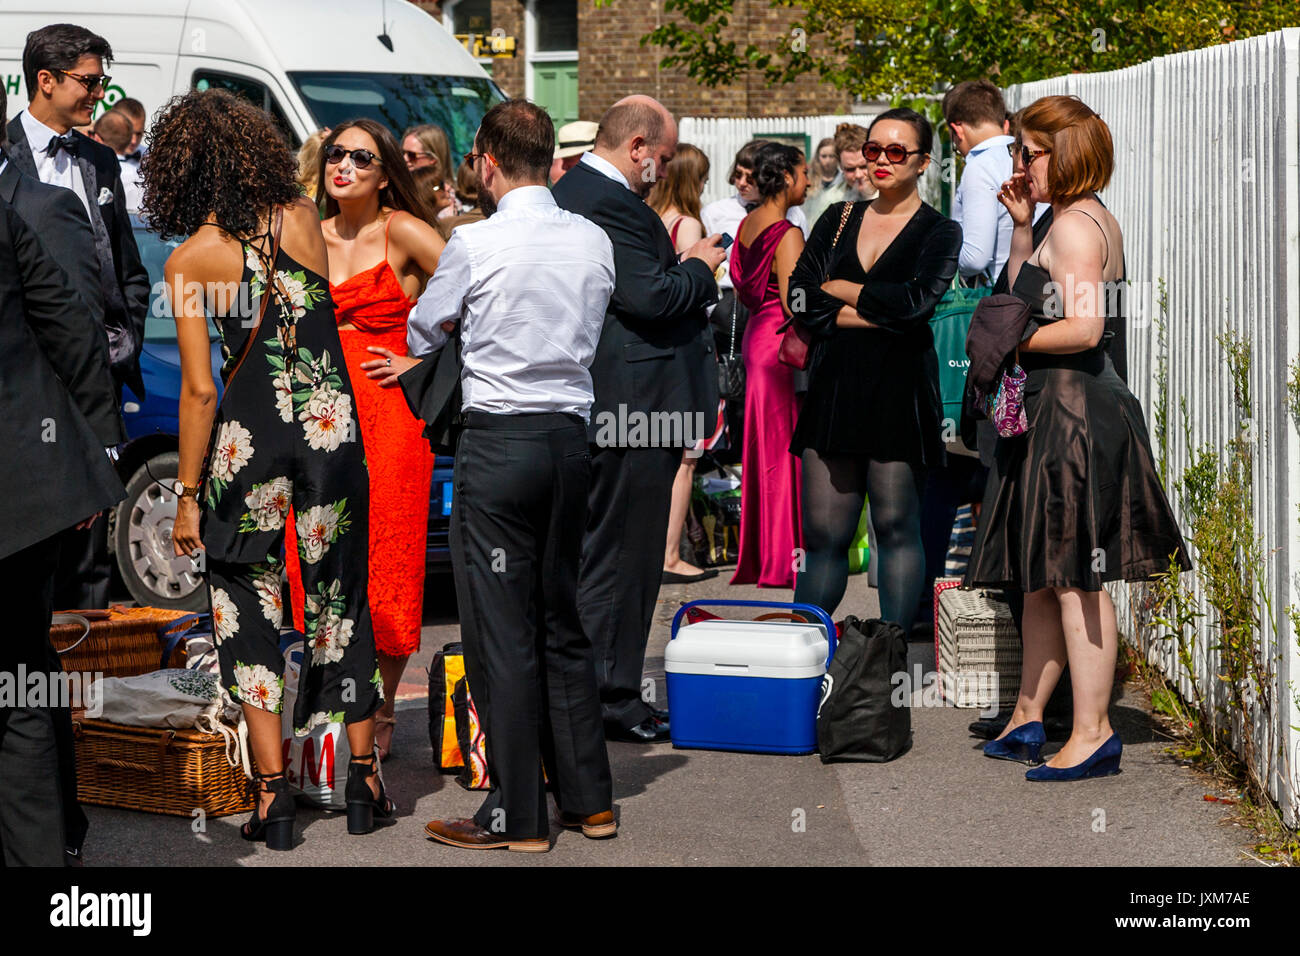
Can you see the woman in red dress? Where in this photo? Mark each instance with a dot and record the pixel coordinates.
(382, 251)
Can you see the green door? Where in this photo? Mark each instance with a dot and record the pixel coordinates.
(555, 89)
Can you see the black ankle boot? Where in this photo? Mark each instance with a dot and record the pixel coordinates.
(363, 806)
(276, 828)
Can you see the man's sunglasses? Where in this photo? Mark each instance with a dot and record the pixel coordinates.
(92, 84)
(1026, 154)
(472, 158)
(361, 158)
(871, 152)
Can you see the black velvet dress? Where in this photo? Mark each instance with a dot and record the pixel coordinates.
(1076, 501)
(874, 393)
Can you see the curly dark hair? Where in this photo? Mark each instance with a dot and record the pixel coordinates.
(211, 152)
(771, 162)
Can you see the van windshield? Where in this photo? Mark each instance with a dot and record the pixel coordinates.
(455, 103)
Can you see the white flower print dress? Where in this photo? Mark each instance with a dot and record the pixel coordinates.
(286, 449)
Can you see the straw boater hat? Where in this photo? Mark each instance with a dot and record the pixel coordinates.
(574, 139)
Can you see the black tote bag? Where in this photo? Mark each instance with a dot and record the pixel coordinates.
(857, 719)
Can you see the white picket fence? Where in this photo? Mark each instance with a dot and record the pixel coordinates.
(1207, 190)
(720, 138)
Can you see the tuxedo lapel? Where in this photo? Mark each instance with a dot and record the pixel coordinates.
(20, 151)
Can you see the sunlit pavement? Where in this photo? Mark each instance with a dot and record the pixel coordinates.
(943, 803)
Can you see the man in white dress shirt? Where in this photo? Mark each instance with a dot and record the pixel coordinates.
(525, 291)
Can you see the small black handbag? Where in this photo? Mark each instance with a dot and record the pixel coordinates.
(731, 367)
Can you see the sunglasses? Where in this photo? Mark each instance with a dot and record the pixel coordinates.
(472, 158)
(893, 152)
(411, 157)
(93, 84)
(361, 158)
(1026, 154)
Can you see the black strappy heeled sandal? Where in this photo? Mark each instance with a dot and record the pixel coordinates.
(276, 828)
(363, 806)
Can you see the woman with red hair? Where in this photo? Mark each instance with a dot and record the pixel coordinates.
(1076, 500)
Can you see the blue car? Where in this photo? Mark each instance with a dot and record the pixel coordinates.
(141, 529)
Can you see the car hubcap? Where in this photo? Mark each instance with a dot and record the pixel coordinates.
(149, 538)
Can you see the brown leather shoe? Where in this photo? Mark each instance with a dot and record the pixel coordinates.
(471, 836)
(595, 827)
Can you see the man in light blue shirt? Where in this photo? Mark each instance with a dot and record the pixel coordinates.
(977, 118)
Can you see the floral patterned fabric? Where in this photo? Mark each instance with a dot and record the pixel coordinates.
(287, 442)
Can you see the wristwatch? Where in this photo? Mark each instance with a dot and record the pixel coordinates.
(183, 490)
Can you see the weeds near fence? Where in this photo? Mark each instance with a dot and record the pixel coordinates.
(1161, 415)
(1229, 687)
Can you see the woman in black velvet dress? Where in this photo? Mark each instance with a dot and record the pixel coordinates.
(1075, 501)
(871, 422)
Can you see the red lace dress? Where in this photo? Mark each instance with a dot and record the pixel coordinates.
(398, 457)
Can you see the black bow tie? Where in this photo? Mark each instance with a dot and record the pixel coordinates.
(750, 206)
(67, 142)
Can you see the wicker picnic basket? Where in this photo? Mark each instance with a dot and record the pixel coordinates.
(977, 647)
(156, 770)
(121, 642)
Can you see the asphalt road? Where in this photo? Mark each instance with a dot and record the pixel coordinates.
(942, 803)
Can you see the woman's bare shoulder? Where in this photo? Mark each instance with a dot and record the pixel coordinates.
(207, 254)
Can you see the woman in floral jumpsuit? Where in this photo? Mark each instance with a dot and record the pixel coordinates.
(286, 435)
(283, 437)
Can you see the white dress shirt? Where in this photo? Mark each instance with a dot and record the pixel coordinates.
(131, 188)
(529, 286)
(56, 170)
(605, 168)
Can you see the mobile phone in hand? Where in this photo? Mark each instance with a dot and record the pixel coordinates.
(725, 241)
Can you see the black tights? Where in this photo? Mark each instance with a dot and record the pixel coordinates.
(833, 492)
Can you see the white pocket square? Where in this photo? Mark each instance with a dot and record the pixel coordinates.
(105, 196)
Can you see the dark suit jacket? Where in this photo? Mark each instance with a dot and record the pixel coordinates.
(60, 222)
(122, 275)
(54, 471)
(656, 351)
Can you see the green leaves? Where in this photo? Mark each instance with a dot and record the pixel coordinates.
(901, 48)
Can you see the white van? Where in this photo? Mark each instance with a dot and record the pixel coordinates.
(310, 63)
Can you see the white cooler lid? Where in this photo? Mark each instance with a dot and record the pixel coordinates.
(785, 649)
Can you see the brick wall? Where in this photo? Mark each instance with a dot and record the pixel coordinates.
(612, 63)
(507, 71)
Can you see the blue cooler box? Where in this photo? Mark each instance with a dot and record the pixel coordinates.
(748, 685)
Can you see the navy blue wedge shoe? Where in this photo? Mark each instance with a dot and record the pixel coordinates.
(1022, 745)
(1104, 762)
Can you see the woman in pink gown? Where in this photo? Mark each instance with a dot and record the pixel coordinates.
(762, 259)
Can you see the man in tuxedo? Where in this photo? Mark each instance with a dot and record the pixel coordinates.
(654, 363)
(63, 68)
(53, 476)
(62, 228)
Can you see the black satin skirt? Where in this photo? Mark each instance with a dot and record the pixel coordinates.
(1076, 501)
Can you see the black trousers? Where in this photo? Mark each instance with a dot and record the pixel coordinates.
(622, 568)
(85, 571)
(516, 532)
(31, 797)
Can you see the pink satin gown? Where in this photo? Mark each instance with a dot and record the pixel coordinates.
(769, 486)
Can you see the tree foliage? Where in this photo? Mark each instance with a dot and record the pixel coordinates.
(897, 49)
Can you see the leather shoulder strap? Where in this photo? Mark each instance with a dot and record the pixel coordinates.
(268, 292)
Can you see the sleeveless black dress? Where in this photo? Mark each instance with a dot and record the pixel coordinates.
(1076, 501)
